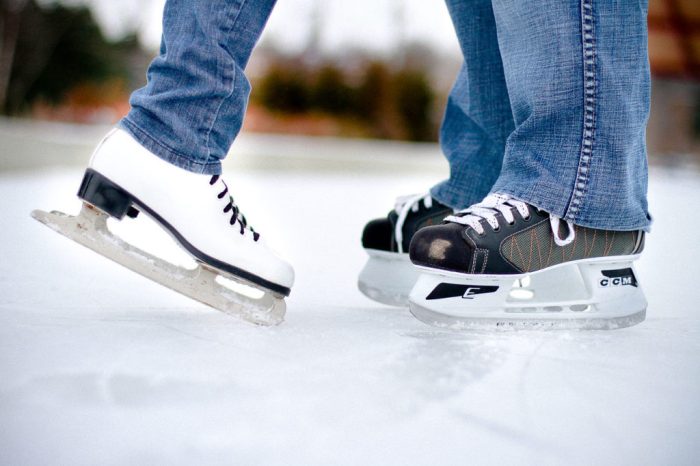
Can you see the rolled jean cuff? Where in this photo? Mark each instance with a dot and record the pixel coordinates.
(158, 148)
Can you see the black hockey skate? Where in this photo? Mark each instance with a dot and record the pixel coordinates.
(389, 275)
(503, 264)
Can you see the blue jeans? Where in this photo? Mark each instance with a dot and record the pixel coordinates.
(550, 105)
(193, 105)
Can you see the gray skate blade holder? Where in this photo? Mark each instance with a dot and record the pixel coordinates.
(575, 295)
(90, 229)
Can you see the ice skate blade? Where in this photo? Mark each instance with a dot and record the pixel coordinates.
(387, 278)
(89, 228)
(437, 319)
(591, 294)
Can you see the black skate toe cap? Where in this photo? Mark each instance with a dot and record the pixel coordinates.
(377, 234)
(442, 247)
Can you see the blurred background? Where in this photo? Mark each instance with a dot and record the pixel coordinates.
(322, 68)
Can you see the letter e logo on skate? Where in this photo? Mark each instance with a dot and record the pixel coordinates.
(455, 290)
(471, 291)
(621, 277)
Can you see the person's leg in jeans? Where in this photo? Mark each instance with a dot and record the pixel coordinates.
(578, 87)
(193, 105)
(476, 124)
(165, 159)
(578, 81)
(577, 78)
(478, 117)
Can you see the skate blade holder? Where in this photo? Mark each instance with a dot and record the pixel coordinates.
(586, 294)
(387, 277)
(203, 283)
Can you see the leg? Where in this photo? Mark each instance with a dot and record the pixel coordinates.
(193, 105)
(164, 162)
(578, 81)
(478, 117)
(476, 125)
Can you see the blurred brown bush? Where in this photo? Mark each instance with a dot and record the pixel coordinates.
(674, 38)
(372, 98)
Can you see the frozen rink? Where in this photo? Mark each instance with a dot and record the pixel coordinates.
(101, 366)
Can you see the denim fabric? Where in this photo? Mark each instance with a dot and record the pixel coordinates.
(477, 118)
(193, 105)
(577, 82)
(550, 105)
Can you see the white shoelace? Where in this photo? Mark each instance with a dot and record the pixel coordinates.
(404, 205)
(495, 203)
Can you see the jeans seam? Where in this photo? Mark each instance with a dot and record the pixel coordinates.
(233, 82)
(589, 113)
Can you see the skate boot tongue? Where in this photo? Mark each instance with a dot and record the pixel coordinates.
(503, 204)
(488, 209)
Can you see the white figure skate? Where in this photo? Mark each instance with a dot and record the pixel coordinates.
(197, 211)
(503, 264)
(389, 275)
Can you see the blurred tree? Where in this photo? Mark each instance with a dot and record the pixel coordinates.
(58, 48)
(373, 101)
(330, 93)
(284, 88)
(10, 13)
(414, 98)
(387, 104)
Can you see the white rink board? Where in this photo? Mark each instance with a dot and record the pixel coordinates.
(100, 366)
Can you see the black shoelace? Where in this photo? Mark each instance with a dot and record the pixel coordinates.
(236, 215)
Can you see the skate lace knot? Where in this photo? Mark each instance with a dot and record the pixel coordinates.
(496, 203)
(236, 215)
(404, 205)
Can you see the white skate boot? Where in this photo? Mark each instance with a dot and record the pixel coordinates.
(503, 264)
(124, 178)
(388, 275)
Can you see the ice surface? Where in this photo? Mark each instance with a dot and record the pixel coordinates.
(100, 366)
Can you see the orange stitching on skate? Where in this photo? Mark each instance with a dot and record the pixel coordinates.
(605, 245)
(573, 244)
(532, 244)
(563, 253)
(522, 259)
(593, 242)
(551, 248)
(539, 254)
(511, 238)
(612, 243)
